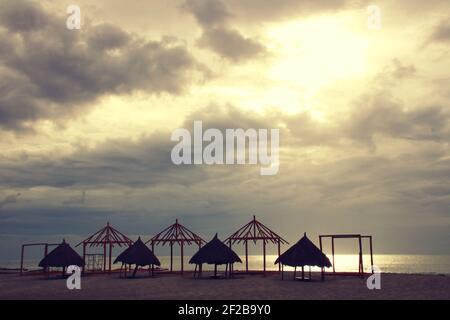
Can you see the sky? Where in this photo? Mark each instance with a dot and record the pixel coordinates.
(86, 118)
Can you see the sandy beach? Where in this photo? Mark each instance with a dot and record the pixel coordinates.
(172, 286)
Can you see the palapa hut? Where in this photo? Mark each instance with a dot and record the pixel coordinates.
(217, 253)
(138, 254)
(303, 253)
(62, 257)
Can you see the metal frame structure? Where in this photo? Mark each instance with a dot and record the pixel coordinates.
(107, 236)
(360, 238)
(255, 231)
(176, 233)
(22, 253)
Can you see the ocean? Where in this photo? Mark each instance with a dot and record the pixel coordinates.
(392, 263)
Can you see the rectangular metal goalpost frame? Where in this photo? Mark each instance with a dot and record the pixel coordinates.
(360, 239)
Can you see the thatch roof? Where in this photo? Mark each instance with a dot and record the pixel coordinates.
(304, 253)
(215, 252)
(139, 254)
(62, 256)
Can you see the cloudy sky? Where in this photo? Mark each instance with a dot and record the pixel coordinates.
(364, 117)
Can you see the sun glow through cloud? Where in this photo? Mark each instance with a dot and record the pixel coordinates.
(312, 54)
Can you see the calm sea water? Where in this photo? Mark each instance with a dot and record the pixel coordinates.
(425, 264)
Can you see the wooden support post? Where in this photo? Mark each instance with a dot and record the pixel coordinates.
(295, 272)
(246, 256)
(215, 270)
(279, 253)
(21, 259)
(110, 257)
(371, 254)
(264, 256)
(322, 273)
(84, 256)
(332, 253)
(104, 257)
(282, 271)
(361, 265)
(171, 256)
(303, 273)
(45, 254)
(182, 257)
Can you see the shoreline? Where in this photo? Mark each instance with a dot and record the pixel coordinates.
(166, 286)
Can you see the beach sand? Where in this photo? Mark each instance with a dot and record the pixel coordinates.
(173, 286)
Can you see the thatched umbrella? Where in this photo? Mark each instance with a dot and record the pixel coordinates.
(62, 256)
(214, 252)
(139, 254)
(304, 253)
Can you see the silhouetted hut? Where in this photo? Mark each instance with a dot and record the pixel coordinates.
(62, 257)
(303, 253)
(217, 253)
(138, 254)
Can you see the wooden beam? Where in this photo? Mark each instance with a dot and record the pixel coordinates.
(104, 257)
(246, 256)
(279, 253)
(171, 256)
(182, 257)
(264, 257)
(332, 252)
(110, 257)
(371, 254)
(21, 259)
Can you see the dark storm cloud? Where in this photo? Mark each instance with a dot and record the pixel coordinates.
(128, 163)
(231, 45)
(441, 33)
(21, 15)
(381, 115)
(208, 13)
(218, 36)
(50, 72)
(379, 112)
